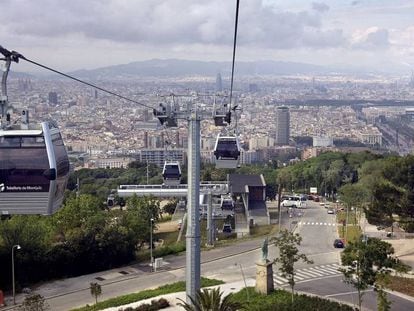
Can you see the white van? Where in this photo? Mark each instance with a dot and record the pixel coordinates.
(293, 201)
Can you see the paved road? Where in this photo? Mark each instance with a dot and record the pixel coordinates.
(334, 288)
(228, 264)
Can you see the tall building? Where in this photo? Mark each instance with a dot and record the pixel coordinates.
(411, 83)
(219, 83)
(282, 126)
(53, 98)
(253, 88)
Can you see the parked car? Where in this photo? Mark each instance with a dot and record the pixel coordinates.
(331, 211)
(338, 243)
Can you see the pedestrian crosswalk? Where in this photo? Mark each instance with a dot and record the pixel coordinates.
(313, 223)
(308, 273)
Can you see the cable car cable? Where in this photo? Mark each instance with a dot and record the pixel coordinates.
(16, 56)
(234, 52)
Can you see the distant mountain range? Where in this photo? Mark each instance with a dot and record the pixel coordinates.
(177, 67)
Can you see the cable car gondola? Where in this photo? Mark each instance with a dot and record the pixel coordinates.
(110, 201)
(171, 173)
(226, 203)
(34, 169)
(227, 152)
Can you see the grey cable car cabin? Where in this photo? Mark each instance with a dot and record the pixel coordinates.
(34, 169)
(34, 164)
(171, 173)
(227, 152)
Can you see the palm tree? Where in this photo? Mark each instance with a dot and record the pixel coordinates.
(96, 290)
(211, 300)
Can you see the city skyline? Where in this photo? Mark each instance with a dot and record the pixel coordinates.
(75, 35)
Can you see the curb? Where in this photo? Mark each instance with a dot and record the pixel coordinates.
(398, 294)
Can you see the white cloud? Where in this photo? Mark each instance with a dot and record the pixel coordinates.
(371, 38)
(320, 6)
(78, 33)
(162, 22)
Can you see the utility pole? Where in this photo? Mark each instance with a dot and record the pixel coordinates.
(77, 187)
(279, 196)
(152, 258)
(147, 172)
(210, 228)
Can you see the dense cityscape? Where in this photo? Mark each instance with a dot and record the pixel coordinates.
(108, 130)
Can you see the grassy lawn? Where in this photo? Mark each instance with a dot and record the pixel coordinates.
(168, 237)
(258, 231)
(341, 216)
(353, 233)
(402, 285)
(130, 298)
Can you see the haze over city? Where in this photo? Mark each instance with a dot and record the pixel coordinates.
(72, 35)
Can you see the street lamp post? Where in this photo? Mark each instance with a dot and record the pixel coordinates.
(13, 282)
(244, 279)
(152, 260)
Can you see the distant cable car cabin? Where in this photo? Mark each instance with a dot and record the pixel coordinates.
(227, 152)
(110, 202)
(171, 173)
(34, 169)
(226, 203)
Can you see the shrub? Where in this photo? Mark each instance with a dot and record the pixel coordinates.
(281, 300)
(154, 306)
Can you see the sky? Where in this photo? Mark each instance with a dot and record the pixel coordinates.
(87, 34)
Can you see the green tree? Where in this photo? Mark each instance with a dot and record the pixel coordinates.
(334, 175)
(170, 206)
(287, 243)
(364, 261)
(78, 215)
(30, 232)
(96, 291)
(137, 218)
(383, 303)
(211, 300)
(34, 302)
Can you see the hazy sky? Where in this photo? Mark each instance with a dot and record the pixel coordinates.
(77, 34)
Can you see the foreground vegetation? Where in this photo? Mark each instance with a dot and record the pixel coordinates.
(281, 300)
(278, 300)
(130, 298)
(80, 238)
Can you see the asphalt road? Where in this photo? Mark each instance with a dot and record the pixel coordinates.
(316, 227)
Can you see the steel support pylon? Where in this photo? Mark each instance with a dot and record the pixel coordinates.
(192, 269)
